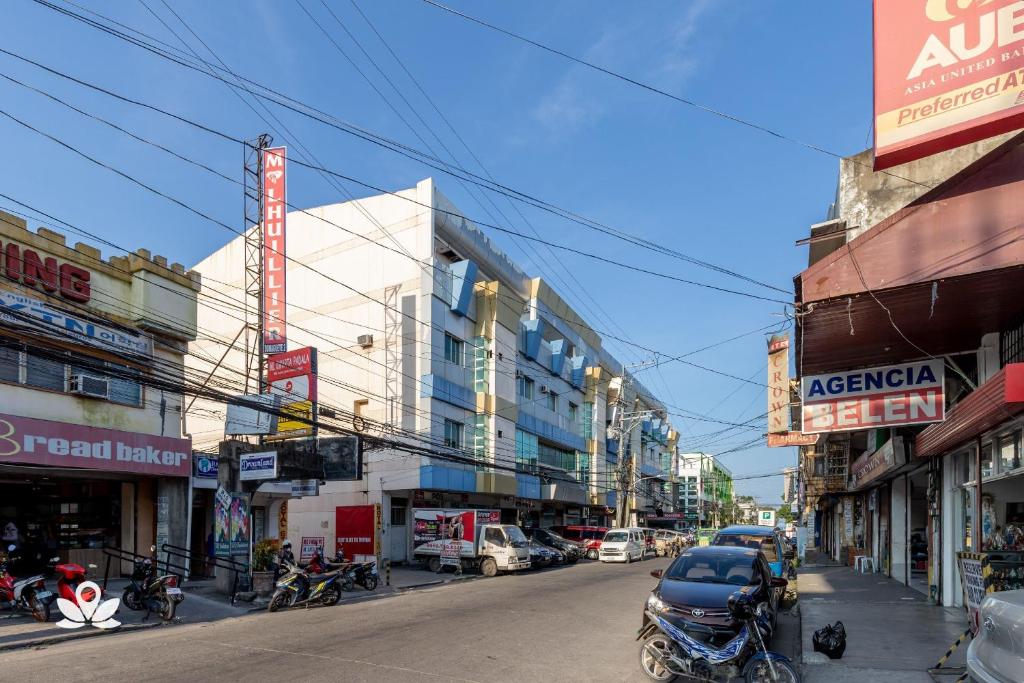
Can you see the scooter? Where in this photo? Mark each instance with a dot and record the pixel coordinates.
(299, 587)
(362, 573)
(28, 594)
(152, 591)
(69, 576)
(668, 651)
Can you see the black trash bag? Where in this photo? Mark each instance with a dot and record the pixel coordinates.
(830, 640)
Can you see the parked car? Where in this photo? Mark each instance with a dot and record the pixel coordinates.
(995, 655)
(589, 537)
(543, 556)
(665, 539)
(570, 549)
(693, 593)
(623, 545)
(763, 538)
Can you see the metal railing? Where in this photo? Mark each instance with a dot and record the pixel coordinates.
(120, 554)
(178, 561)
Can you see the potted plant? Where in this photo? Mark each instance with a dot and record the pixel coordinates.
(264, 555)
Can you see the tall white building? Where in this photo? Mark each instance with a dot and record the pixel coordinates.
(430, 334)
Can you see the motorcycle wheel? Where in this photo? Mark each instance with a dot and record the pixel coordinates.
(758, 671)
(371, 583)
(279, 600)
(661, 644)
(167, 607)
(130, 599)
(331, 596)
(40, 610)
(591, 554)
(348, 584)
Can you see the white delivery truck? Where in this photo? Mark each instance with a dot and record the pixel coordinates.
(473, 539)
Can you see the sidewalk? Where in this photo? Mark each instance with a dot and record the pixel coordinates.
(893, 634)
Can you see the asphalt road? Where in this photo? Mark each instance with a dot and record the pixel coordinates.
(574, 623)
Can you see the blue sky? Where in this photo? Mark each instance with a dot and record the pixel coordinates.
(672, 174)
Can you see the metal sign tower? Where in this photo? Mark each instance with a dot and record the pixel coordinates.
(253, 210)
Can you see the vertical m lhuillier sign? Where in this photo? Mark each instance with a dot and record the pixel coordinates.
(274, 264)
(778, 384)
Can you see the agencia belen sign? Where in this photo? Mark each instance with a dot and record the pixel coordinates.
(906, 394)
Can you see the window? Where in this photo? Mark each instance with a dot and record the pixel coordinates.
(552, 401)
(44, 373)
(20, 365)
(1009, 452)
(574, 412)
(526, 388)
(398, 506)
(10, 364)
(588, 420)
(986, 461)
(494, 535)
(527, 451)
(453, 433)
(359, 406)
(453, 349)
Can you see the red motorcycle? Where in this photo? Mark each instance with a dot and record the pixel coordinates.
(69, 576)
(25, 594)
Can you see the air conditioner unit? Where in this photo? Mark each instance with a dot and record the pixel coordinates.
(544, 389)
(365, 340)
(519, 374)
(90, 385)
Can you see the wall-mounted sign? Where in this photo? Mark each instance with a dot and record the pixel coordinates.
(27, 267)
(292, 377)
(778, 384)
(305, 487)
(910, 393)
(342, 458)
(255, 466)
(28, 312)
(355, 530)
(947, 72)
(871, 466)
(309, 546)
(206, 466)
(239, 524)
(222, 523)
(791, 439)
(247, 418)
(275, 265)
(29, 441)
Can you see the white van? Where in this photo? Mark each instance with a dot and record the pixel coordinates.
(623, 545)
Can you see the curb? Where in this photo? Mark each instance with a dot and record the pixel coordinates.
(91, 633)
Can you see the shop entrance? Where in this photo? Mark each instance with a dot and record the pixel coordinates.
(918, 537)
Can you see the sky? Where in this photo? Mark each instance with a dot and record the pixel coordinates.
(676, 175)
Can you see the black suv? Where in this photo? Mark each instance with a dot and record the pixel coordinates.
(553, 540)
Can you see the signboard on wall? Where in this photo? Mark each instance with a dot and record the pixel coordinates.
(255, 466)
(255, 415)
(292, 377)
(778, 384)
(342, 458)
(309, 546)
(275, 265)
(29, 441)
(355, 531)
(871, 466)
(222, 523)
(888, 396)
(791, 439)
(947, 73)
(239, 524)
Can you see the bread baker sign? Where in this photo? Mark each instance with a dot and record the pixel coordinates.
(905, 394)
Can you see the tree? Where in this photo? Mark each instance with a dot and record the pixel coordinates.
(785, 513)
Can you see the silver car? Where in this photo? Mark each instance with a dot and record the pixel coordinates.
(996, 655)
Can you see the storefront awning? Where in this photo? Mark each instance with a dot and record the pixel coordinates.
(996, 401)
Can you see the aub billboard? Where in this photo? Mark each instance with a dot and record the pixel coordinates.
(947, 73)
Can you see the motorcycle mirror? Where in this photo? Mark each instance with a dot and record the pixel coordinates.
(152, 548)
(92, 566)
(55, 559)
(657, 573)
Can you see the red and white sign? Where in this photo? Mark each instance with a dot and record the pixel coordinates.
(27, 267)
(947, 72)
(911, 393)
(791, 439)
(778, 384)
(25, 440)
(310, 546)
(355, 530)
(275, 266)
(435, 527)
(292, 376)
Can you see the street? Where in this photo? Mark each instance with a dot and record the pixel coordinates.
(571, 623)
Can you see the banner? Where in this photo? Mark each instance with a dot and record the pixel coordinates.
(275, 266)
(435, 527)
(355, 530)
(906, 394)
(309, 546)
(222, 523)
(947, 73)
(778, 384)
(25, 440)
(974, 572)
(239, 524)
(292, 376)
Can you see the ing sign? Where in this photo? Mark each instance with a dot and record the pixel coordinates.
(274, 260)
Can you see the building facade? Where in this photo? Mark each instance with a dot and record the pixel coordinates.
(94, 450)
(918, 269)
(429, 335)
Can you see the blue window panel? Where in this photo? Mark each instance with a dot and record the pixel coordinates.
(645, 427)
(611, 458)
(612, 498)
(651, 471)
(463, 279)
(578, 371)
(527, 486)
(533, 332)
(441, 478)
(435, 386)
(550, 432)
(558, 348)
(611, 446)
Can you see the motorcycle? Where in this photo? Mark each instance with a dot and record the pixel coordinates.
(28, 594)
(362, 573)
(152, 591)
(69, 576)
(300, 587)
(668, 651)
